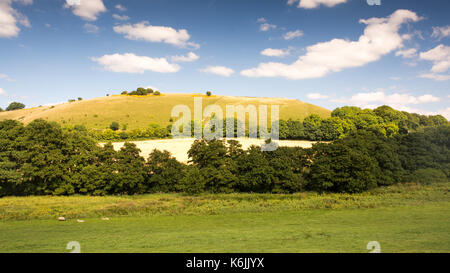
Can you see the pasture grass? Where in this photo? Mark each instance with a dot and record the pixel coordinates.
(403, 218)
(138, 112)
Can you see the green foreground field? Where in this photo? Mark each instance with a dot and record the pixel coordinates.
(403, 218)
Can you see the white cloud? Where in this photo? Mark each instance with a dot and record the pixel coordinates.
(261, 20)
(380, 38)
(90, 28)
(293, 34)
(267, 27)
(2, 92)
(130, 63)
(440, 56)
(407, 53)
(155, 34)
(396, 100)
(10, 18)
(271, 52)
(218, 70)
(120, 17)
(6, 77)
(87, 10)
(317, 96)
(436, 77)
(190, 57)
(120, 7)
(311, 4)
(441, 32)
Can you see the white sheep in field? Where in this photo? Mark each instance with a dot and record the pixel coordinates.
(61, 219)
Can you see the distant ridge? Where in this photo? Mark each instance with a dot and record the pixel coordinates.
(138, 112)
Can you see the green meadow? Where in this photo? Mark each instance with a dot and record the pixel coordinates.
(402, 218)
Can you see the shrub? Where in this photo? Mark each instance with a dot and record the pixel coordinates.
(427, 176)
(71, 100)
(124, 93)
(15, 106)
(193, 181)
(165, 172)
(114, 126)
(156, 93)
(123, 135)
(80, 98)
(338, 168)
(208, 93)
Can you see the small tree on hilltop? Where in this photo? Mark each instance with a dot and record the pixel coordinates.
(208, 93)
(15, 106)
(156, 93)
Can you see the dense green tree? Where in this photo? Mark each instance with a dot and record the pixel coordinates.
(131, 171)
(383, 149)
(338, 168)
(15, 106)
(312, 127)
(165, 172)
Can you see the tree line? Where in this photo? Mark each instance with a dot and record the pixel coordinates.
(343, 121)
(42, 158)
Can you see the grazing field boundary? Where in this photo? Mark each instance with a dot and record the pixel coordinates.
(73, 207)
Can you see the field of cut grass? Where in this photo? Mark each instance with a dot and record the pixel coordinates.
(179, 147)
(403, 218)
(138, 112)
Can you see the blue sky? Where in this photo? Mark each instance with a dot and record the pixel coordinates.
(326, 52)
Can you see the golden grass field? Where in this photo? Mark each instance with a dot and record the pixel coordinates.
(179, 147)
(138, 112)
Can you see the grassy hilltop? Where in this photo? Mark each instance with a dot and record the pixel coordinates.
(139, 111)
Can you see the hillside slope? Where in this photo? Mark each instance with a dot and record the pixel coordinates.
(138, 112)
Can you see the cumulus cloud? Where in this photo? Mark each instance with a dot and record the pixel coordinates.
(436, 77)
(399, 101)
(293, 34)
(10, 18)
(311, 4)
(120, 17)
(407, 53)
(218, 70)
(380, 38)
(271, 52)
(440, 56)
(155, 34)
(441, 32)
(190, 57)
(265, 26)
(6, 77)
(90, 28)
(130, 63)
(120, 7)
(317, 96)
(87, 10)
